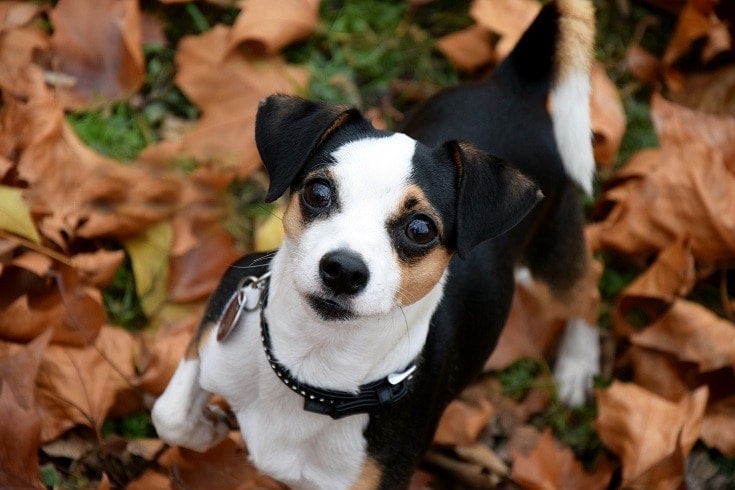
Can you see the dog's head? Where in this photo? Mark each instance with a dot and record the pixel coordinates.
(374, 216)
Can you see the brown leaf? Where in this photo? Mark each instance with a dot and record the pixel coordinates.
(468, 49)
(99, 45)
(694, 25)
(647, 432)
(462, 421)
(82, 385)
(606, 116)
(718, 426)
(227, 88)
(98, 268)
(550, 465)
(509, 18)
(687, 191)
(265, 26)
(20, 438)
(224, 466)
(20, 38)
(73, 191)
(643, 65)
(671, 276)
(692, 333)
(678, 125)
(37, 294)
(661, 373)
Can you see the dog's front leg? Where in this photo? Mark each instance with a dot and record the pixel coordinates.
(181, 414)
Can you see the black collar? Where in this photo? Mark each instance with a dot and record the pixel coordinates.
(336, 404)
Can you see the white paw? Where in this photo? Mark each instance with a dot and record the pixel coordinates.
(577, 362)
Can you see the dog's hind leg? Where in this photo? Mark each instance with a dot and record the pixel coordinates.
(182, 415)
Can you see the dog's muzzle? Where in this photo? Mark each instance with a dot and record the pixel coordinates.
(343, 272)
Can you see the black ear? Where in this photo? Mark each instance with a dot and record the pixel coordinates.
(492, 197)
(287, 132)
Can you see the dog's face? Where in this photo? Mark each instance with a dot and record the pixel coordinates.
(374, 217)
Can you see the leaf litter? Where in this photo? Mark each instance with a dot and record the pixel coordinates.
(71, 216)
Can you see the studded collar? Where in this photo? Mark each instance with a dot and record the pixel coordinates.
(336, 404)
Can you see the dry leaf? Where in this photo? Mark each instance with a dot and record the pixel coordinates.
(20, 438)
(224, 466)
(462, 422)
(550, 465)
(37, 294)
(98, 268)
(227, 88)
(15, 216)
(509, 18)
(661, 373)
(265, 26)
(643, 65)
(149, 255)
(678, 125)
(468, 49)
(671, 276)
(82, 385)
(718, 426)
(692, 333)
(606, 116)
(648, 432)
(20, 39)
(99, 45)
(687, 191)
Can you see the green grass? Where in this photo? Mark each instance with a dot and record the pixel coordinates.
(121, 301)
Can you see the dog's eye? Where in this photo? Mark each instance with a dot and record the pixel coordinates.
(317, 194)
(421, 230)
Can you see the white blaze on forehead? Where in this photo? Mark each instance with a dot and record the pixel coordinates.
(378, 168)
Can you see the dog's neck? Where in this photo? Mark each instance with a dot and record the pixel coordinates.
(342, 355)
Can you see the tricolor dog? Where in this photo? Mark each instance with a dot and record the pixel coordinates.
(339, 352)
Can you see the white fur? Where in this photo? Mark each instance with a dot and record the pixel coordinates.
(570, 114)
(577, 362)
(303, 449)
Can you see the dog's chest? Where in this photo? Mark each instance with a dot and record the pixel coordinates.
(302, 449)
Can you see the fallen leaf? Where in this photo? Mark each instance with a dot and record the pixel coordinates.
(15, 216)
(224, 466)
(82, 385)
(462, 421)
(37, 294)
(98, 268)
(607, 116)
(149, 255)
(718, 426)
(551, 465)
(671, 276)
(679, 125)
(20, 438)
(648, 432)
(227, 88)
(265, 26)
(20, 39)
(711, 92)
(99, 45)
(643, 65)
(269, 233)
(687, 191)
(468, 49)
(661, 373)
(509, 18)
(692, 333)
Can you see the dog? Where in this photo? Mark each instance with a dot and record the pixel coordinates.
(338, 352)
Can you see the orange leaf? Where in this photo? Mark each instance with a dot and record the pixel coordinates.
(82, 385)
(265, 26)
(20, 438)
(718, 426)
(647, 432)
(224, 466)
(99, 45)
(21, 38)
(661, 373)
(606, 116)
(462, 421)
(671, 276)
(227, 88)
(550, 465)
(692, 333)
(509, 18)
(468, 49)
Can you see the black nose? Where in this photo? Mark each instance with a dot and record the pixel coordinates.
(343, 272)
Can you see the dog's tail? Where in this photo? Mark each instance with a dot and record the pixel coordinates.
(556, 54)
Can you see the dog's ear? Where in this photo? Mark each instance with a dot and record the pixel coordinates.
(492, 196)
(287, 132)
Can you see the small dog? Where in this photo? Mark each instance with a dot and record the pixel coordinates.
(339, 353)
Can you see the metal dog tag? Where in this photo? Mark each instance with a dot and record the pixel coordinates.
(245, 299)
